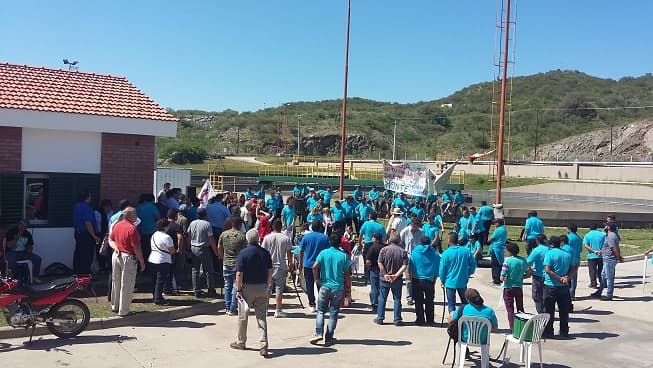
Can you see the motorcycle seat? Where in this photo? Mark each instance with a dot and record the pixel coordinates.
(54, 284)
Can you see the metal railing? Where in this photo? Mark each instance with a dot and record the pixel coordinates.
(328, 171)
(304, 158)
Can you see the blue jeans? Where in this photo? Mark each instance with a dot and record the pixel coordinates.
(375, 284)
(229, 274)
(396, 287)
(451, 297)
(573, 282)
(607, 278)
(328, 298)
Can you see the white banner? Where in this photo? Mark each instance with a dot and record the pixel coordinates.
(414, 178)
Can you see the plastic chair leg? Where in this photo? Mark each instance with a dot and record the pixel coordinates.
(539, 347)
(529, 355)
(485, 356)
(505, 349)
(463, 351)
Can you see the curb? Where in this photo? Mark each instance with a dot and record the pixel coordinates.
(164, 315)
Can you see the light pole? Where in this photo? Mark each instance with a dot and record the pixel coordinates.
(299, 119)
(394, 141)
(343, 132)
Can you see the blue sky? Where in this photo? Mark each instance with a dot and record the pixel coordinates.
(249, 54)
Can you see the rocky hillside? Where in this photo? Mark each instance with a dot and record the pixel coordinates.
(629, 142)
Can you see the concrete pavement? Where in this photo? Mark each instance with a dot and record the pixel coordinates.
(605, 334)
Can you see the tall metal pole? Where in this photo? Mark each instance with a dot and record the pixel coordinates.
(299, 119)
(394, 141)
(502, 105)
(343, 133)
(537, 126)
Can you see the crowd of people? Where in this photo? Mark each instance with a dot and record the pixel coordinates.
(252, 242)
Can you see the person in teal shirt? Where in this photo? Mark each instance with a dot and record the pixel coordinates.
(418, 211)
(557, 271)
(296, 190)
(326, 195)
(577, 244)
(358, 194)
(465, 224)
(486, 214)
(364, 210)
(532, 228)
(373, 195)
(369, 228)
(271, 204)
(288, 216)
(513, 271)
(424, 264)
(401, 202)
(475, 308)
(261, 194)
(330, 271)
(348, 205)
(431, 230)
(535, 261)
(474, 247)
(593, 242)
(575, 263)
(312, 201)
(497, 247)
(338, 213)
(418, 199)
(456, 266)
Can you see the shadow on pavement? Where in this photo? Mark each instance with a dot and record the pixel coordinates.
(300, 350)
(55, 344)
(593, 335)
(373, 342)
(545, 365)
(596, 312)
(177, 324)
(633, 299)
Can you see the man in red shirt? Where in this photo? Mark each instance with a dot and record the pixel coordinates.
(127, 256)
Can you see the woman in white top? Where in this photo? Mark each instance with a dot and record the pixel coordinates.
(327, 220)
(160, 258)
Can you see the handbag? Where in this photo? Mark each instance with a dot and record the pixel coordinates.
(452, 329)
(105, 248)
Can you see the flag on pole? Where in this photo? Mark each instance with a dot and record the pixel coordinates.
(205, 193)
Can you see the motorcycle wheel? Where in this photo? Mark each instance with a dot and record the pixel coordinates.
(73, 310)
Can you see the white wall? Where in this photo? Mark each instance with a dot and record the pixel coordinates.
(86, 123)
(45, 150)
(54, 245)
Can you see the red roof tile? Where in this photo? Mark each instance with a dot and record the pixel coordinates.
(56, 90)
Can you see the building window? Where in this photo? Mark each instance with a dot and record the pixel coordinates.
(37, 198)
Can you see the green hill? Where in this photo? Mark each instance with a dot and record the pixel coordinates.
(558, 103)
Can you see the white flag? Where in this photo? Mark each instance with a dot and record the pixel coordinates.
(205, 193)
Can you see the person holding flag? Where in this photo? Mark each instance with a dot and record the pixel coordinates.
(205, 193)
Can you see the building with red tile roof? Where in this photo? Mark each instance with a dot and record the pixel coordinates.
(62, 132)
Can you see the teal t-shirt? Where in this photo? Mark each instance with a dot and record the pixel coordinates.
(456, 265)
(533, 227)
(430, 231)
(513, 270)
(369, 228)
(465, 227)
(418, 211)
(478, 224)
(470, 310)
(499, 238)
(486, 212)
(424, 262)
(364, 210)
(594, 239)
(473, 247)
(560, 262)
(576, 243)
(333, 263)
(536, 259)
(373, 194)
(288, 215)
(349, 210)
(148, 213)
(572, 252)
(338, 213)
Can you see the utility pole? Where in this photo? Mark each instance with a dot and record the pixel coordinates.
(394, 141)
(343, 132)
(502, 106)
(537, 125)
(299, 119)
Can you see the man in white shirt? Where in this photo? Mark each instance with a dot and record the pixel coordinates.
(410, 237)
(280, 248)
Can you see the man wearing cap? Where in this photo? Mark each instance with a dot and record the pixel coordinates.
(402, 203)
(532, 228)
(611, 254)
(497, 248)
(557, 272)
(331, 271)
(203, 250)
(20, 247)
(397, 221)
(424, 268)
(253, 277)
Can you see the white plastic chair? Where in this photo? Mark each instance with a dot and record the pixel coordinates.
(538, 322)
(475, 327)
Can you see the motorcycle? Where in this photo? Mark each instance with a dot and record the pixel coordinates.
(28, 305)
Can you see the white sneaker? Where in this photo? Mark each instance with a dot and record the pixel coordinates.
(280, 314)
(313, 309)
(229, 313)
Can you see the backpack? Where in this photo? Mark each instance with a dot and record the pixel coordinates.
(452, 329)
(58, 269)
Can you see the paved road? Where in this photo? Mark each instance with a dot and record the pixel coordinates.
(605, 334)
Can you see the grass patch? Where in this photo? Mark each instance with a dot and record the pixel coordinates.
(224, 167)
(480, 182)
